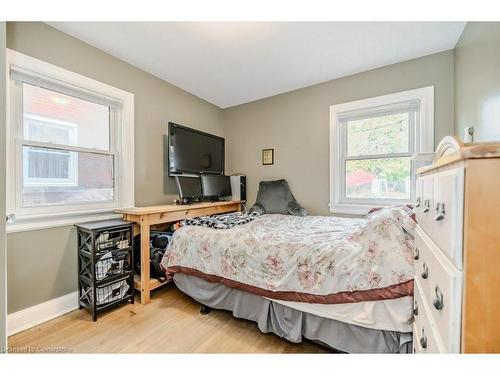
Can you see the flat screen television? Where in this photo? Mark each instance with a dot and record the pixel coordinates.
(189, 187)
(192, 151)
(215, 186)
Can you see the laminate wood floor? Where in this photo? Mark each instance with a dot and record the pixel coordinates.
(171, 323)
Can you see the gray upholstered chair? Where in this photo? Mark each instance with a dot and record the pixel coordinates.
(275, 197)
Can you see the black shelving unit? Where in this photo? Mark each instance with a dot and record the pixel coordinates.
(105, 265)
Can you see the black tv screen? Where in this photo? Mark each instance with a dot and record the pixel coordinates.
(189, 187)
(213, 185)
(193, 151)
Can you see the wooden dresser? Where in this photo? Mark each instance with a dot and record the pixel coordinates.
(457, 259)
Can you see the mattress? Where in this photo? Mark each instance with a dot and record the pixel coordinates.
(313, 259)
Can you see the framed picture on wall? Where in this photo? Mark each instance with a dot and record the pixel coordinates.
(268, 156)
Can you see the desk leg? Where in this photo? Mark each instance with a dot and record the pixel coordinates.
(145, 260)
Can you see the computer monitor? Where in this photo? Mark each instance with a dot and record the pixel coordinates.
(189, 188)
(215, 186)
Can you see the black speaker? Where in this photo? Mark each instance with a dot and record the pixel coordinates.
(243, 188)
(239, 188)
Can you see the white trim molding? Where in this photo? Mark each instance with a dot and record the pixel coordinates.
(421, 140)
(38, 314)
(56, 221)
(20, 66)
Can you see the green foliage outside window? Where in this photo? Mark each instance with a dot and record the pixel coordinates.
(380, 135)
(384, 177)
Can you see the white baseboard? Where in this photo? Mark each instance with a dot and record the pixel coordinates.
(34, 315)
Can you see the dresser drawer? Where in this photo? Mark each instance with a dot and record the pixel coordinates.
(423, 213)
(417, 205)
(447, 213)
(426, 338)
(441, 285)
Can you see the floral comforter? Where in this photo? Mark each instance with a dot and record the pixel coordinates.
(312, 259)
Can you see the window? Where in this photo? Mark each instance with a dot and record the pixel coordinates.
(54, 172)
(70, 144)
(371, 148)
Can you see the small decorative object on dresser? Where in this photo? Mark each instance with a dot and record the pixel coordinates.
(456, 303)
(105, 265)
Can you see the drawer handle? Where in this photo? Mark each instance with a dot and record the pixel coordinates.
(417, 254)
(427, 205)
(425, 274)
(439, 300)
(423, 340)
(440, 212)
(415, 309)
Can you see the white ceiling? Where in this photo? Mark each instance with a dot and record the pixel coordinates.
(233, 63)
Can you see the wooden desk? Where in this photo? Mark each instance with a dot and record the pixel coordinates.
(145, 217)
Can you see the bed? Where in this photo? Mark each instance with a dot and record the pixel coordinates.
(346, 283)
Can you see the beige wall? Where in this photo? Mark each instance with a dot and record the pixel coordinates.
(477, 81)
(296, 125)
(2, 191)
(42, 264)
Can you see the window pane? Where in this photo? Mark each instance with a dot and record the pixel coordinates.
(52, 177)
(47, 164)
(378, 178)
(49, 116)
(379, 135)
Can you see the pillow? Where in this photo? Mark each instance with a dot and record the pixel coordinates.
(408, 221)
(406, 207)
(406, 217)
(409, 224)
(275, 197)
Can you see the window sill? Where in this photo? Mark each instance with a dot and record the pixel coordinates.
(351, 209)
(24, 224)
(360, 209)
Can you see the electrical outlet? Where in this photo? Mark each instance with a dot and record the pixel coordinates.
(469, 134)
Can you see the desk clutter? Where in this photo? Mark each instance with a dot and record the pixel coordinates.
(158, 242)
(105, 265)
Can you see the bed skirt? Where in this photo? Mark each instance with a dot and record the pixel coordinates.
(292, 324)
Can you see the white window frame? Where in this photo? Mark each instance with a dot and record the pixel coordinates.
(422, 140)
(72, 179)
(31, 218)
